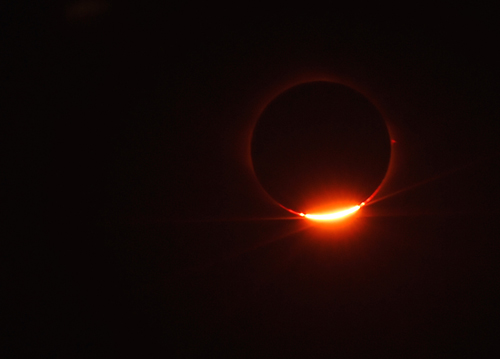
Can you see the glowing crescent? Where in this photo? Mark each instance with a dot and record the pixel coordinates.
(331, 216)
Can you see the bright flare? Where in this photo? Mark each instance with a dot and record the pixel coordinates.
(332, 216)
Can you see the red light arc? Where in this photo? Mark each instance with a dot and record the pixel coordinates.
(338, 214)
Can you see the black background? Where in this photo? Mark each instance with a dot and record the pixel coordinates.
(134, 224)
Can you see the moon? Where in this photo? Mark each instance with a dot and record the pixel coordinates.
(321, 150)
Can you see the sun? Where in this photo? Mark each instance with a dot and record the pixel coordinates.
(331, 216)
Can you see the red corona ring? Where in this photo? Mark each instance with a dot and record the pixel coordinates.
(321, 150)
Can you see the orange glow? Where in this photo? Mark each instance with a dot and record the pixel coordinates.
(333, 215)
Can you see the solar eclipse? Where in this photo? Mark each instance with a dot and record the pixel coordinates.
(321, 150)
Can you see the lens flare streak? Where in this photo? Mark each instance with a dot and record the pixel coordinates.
(332, 216)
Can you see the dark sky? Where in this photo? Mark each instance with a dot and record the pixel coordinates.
(135, 225)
